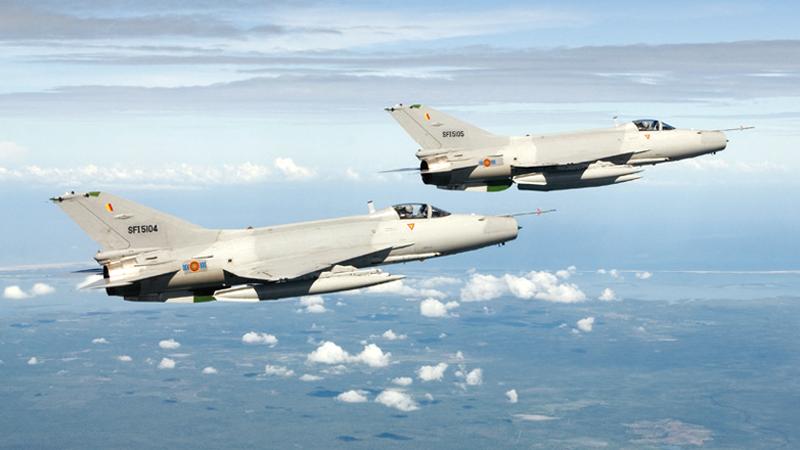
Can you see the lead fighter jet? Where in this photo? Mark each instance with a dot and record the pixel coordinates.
(151, 256)
(459, 156)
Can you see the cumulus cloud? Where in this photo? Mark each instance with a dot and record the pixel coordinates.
(33, 361)
(432, 373)
(401, 288)
(15, 292)
(254, 337)
(314, 304)
(209, 371)
(586, 324)
(613, 273)
(390, 335)
(474, 377)
(166, 363)
(539, 285)
(169, 344)
(566, 273)
(512, 396)
(183, 175)
(292, 170)
(643, 275)
(352, 174)
(430, 307)
(607, 295)
(42, 289)
(330, 353)
(352, 396)
(124, 358)
(100, 340)
(434, 282)
(278, 371)
(310, 377)
(402, 381)
(397, 399)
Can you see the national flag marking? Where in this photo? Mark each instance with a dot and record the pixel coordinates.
(427, 116)
(410, 226)
(109, 208)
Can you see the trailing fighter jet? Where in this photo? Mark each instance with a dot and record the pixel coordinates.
(459, 156)
(150, 256)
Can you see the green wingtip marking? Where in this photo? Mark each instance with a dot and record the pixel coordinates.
(415, 106)
(497, 187)
(203, 298)
(94, 194)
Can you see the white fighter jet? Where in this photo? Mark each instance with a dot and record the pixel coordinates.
(456, 155)
(147, 255)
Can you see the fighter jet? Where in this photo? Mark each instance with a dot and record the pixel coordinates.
(147, 255)
(458, 156)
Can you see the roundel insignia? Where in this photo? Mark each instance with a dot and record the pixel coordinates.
(487, 162)
(194, 266)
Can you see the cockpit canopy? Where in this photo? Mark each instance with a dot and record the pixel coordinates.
(652, 125)
(419, 211)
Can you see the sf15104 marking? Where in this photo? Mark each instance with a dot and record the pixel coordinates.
(141, 229)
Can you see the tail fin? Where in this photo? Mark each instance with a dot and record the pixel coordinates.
(433, 129)
(118, 224)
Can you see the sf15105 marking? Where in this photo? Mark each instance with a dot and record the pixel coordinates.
(453, 133)
(141, 229)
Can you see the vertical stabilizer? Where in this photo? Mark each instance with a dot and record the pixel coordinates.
(433, 129)
(118, 224)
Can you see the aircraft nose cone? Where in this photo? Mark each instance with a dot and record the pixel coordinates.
(713, 141)
(501, 229)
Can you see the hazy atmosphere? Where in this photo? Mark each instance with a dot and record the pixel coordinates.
(660, 313)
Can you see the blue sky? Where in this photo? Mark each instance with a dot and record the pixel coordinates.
(281, 104)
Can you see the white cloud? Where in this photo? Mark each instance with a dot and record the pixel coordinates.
(254, 337)
(432, 373)
(291, 170)
(430, 307)
(314, 304)
(373, 356)
(400, 287)
(209, 371)
(14, 293)
(330, 353)
(474, 377)
(352, 396)
(33, 361)
(566, 273)
(390, 335)
(42, 289)
(434, 282)
(397, 399)
(586, 324)
(538, 285)
(534, 417)
(402, 381)
(607, 295)
(512, 396)
(278, 371)
(310, 377)
(124, 358)
(100, 340)
(169, 344)
(166, 363)
(643, 275)
(182, 175)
